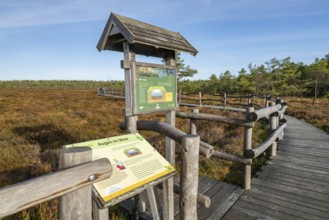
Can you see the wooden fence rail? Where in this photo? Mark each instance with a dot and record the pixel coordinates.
(202, 99)
(277, 123)
(64, 184)
(217, 118)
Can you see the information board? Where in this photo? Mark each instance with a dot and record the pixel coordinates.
(135, 163)
(155, 87)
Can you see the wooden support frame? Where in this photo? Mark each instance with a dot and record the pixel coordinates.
(273, 125)
(189, 177)
(247, 146)
(168, 186)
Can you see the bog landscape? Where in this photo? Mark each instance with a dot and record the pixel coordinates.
(252, 144)
(38, 117)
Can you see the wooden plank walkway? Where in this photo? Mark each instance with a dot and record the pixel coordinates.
(295, 183)
(222, 195)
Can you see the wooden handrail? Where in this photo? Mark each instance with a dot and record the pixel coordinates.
(253, 153)
(264, 112)
(171, 132)
(231, 157)
(29, 193)
(217, 118)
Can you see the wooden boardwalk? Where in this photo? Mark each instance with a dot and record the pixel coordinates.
(222, 195)
(295, 183)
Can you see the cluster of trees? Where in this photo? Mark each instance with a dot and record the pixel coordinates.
(275, 77)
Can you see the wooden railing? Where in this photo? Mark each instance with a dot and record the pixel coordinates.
(72, 185)
(219, 101)
(223, 101)
(114, 93)
(274, 113)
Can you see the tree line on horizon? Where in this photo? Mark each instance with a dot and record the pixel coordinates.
(275, 77)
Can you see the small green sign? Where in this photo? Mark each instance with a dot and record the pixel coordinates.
(155, 88)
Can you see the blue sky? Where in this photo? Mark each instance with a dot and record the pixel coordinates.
(47, 39)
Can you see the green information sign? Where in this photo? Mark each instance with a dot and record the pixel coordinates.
(155, 88)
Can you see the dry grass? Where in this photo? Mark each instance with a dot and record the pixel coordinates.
(35, 123)
(317, 114)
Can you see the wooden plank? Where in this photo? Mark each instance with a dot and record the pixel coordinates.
(261, 212)
(299, 199)
(298, 158)
(301, 161)
(314, 136)
(304, 146)
(293, 190)
(294, 199)
(221, 210)
(289, 203)
(217, 187)
(218, 194)
(296, 172)
(302, 167)
(237, 215)
(287, 177)
(281, 207)
(308, 157)
(207, 184)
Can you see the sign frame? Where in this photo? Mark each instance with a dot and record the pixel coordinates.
(165, 101)
(129, 155)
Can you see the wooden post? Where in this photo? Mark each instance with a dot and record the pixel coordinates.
(249, 100)
(273, 125)
(200, 99)
(225, 100)
(77, 204)
(168, 186)
(153, 203)
(247, 146)
(100, 214)
(189, 177)
(129, 117)
(193, 129)
(180, 97)
(267, 104)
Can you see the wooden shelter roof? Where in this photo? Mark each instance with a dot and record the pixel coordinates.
(146, 39)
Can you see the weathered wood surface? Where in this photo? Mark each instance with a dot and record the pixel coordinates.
(189, 177)
(214, 107)
(44, 188)
(172, 133)
(217, 118)
(147, 39)
(295, 183)
(222, 196)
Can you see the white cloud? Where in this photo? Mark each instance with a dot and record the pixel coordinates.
(37, 12)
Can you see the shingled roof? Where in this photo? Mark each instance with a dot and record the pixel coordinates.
(145, 38)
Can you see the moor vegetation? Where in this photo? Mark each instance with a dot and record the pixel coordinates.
(36, 122)
(38, 117)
